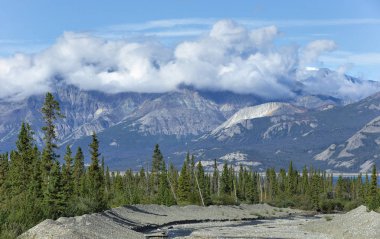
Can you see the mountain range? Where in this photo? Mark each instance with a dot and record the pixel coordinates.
(323, 130)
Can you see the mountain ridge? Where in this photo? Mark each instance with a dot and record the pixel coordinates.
(266, 132)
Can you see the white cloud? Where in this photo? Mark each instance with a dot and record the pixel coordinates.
(335, 83)
(228, 57)
(314, 49)
(185, 27)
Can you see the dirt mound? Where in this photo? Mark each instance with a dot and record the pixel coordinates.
(357, 223)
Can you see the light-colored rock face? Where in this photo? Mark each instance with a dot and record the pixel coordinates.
(179, 113)
(325, 155)
(241, 120)
(345, 155)
(259, 111)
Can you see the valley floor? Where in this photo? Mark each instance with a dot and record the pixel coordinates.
(243, 221)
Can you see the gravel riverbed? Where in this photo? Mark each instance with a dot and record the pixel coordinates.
(243, 221)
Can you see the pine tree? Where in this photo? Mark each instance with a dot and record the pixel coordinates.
(22, 161)
(252, 195)
(225, 181)
(95, 177)
(194, 196)
(107, 185)
(305, 181)
(291, 186)
(202, 185)
(339, 188)
(165, 195)
(157, 159)
(118, 191)
(51, 111)
(359, 188)
(184, 187)
(157, 162)
(173, 178)
(241, 183)
(36, 180)
(282, 181)
(374, 199)
(4, 168)
(142, 186)
(215, 179)
(78, 172)
(54, 204)
(67, 175)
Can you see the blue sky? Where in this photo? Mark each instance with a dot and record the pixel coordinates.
(29, 27)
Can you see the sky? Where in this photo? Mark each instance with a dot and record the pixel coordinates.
(152, 46)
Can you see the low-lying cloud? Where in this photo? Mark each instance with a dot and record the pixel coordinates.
(230, 57)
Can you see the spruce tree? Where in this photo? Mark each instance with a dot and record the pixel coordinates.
(22, 161)
(4, 168)
(67, 175)
(194, 196)
(157, 159)
(107, 185)
(202, 185)
(95, 177)
(78, 172)
(184, 187)
(374, 199)
(225, 181)
(157, 162)
(36, 180)
(366, 188)
(165, 195)
(54, 202)
(143, 186)
(241, 183)
(51, 112)
(173, 178)
(305, 181)
(339, 187)
(215, 179)
(291, 186)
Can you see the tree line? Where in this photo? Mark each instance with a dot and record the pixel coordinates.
(35, 186)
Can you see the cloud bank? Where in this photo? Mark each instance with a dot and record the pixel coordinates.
(228, 57)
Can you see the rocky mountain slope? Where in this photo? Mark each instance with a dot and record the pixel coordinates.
(338, 138)
(240, 128)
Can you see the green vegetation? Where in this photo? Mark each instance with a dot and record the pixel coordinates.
(34, 186)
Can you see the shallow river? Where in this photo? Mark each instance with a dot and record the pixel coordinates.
(266, 228)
